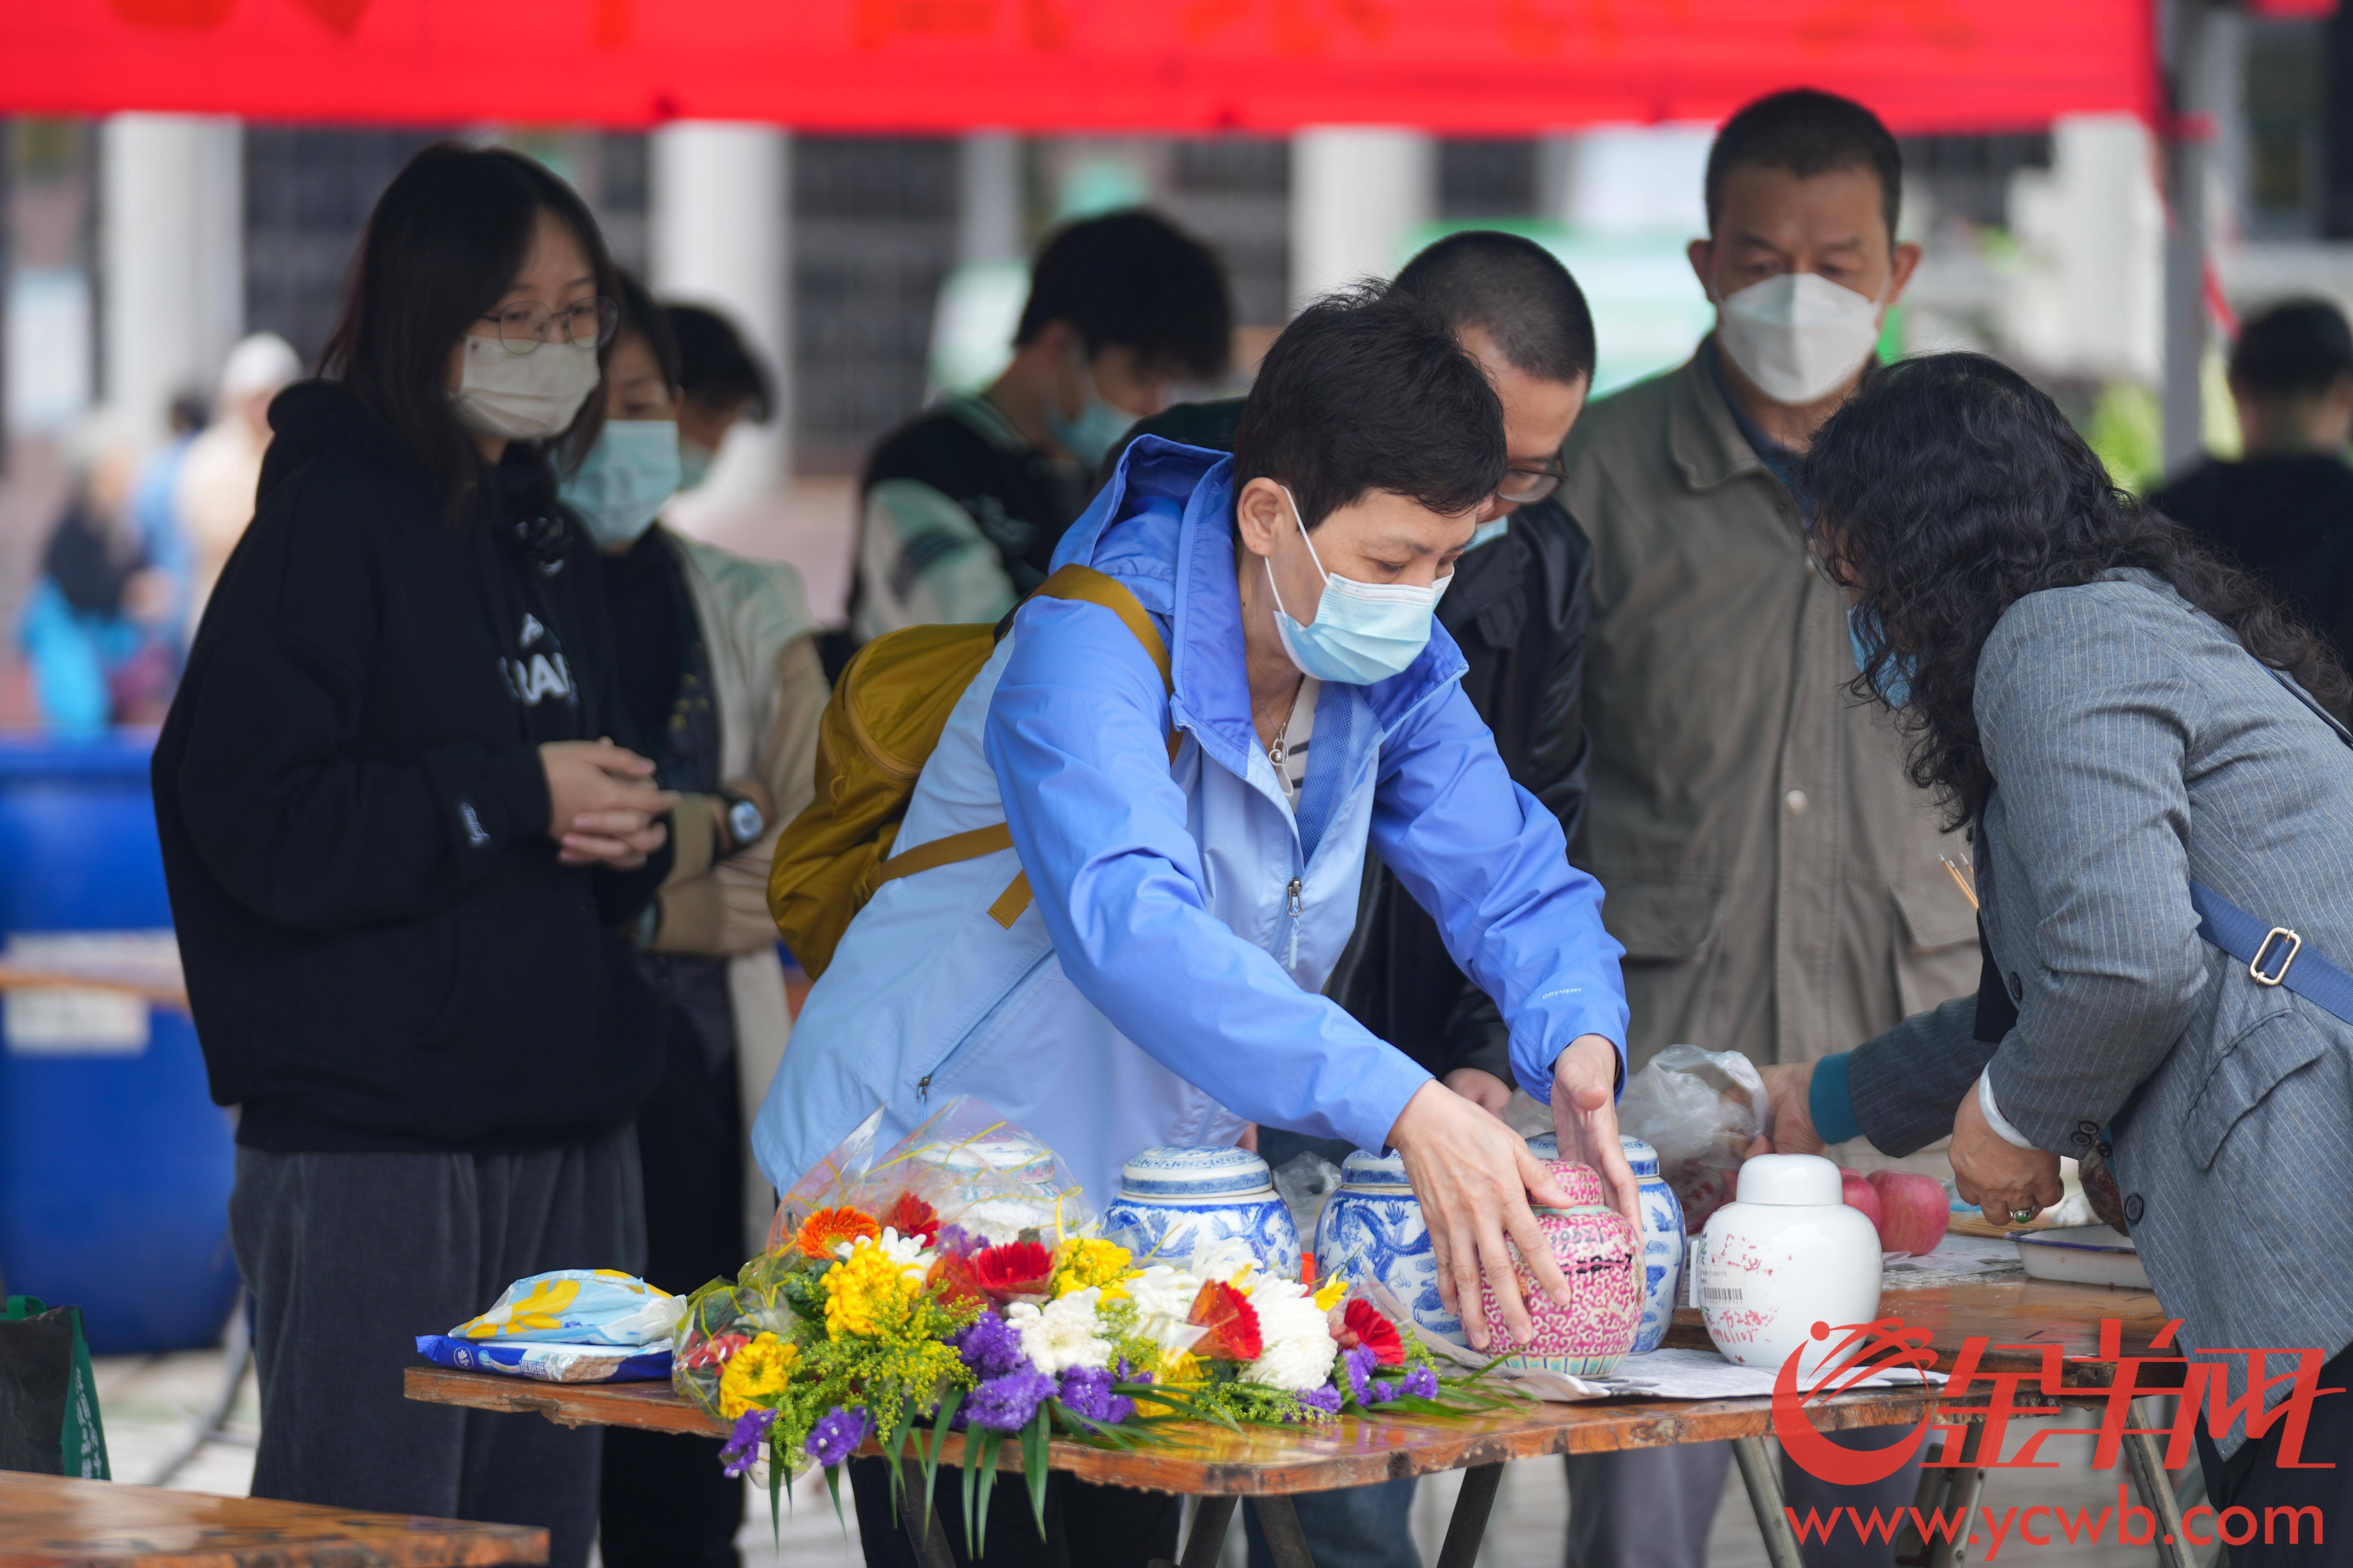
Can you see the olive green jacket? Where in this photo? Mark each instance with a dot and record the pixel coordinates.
(1770, 870)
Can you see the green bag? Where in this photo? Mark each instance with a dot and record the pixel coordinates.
(48, 1394)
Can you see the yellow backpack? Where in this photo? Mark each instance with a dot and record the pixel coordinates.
(883, 719)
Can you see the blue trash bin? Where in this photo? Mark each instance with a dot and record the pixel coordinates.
(115, 1166)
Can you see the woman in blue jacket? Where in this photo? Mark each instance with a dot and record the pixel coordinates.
(1162, 983)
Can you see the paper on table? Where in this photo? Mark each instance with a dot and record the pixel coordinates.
(1958, 1257)
(1662, 1374)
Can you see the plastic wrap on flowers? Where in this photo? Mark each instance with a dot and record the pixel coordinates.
(966, 1170)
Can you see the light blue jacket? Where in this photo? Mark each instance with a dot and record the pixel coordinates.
(1161, 987)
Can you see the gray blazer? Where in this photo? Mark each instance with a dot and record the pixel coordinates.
(2134, 746)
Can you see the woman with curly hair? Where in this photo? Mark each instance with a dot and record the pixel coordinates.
(2161, 807)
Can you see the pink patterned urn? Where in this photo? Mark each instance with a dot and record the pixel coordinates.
(1598, 1251)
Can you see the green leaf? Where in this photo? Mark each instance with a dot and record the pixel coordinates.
(939, 1440)
(894, 1448)
(775, 1494)
(1033, 1466)
(833, 1485)
(971, 1474)
(988, 1445)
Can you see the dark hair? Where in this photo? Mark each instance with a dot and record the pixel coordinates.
(445, 241)
(1807, 132)
(715, 366)
(641, 315)
(1136, 279)
(1514, 289)
(1951, 487)
(1368, 389)
(2295, 349)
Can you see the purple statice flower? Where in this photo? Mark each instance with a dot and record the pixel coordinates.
(1326, 1399)
(955, 1239)
(1088, 1392)
(1420, 1383)
(1358, 1364)
(837, 1435)
(743, 1447)
(991, 1346)
(1006, 1404)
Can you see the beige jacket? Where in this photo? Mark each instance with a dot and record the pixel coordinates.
(770, 690)
(1769, 868)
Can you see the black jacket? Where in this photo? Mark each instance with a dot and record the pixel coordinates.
(1516, 606)
(381, 952)
(2289, 520)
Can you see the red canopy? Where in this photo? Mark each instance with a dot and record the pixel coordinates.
(1465, 66)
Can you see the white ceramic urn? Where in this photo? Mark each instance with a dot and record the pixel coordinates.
(1784, 1255)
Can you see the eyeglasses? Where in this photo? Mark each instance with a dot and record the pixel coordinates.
(1523, 487)
(589, 325)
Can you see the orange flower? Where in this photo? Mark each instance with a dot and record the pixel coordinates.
(1231, 1320)
(828, 1229)
(955, 1279)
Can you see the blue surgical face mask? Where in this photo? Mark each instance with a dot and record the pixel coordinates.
(1489, 532)
(631, 471)
(694, 463)
(1362, 632)
(1096, 428)
(1894, 682)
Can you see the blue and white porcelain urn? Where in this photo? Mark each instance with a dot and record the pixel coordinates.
(1373, 1226)
(1662, 1236)
(1174, 1200)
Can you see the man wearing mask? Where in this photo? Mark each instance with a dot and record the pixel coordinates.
(2284, 509)
(1517, 609)
(963, 507)
(720, 384)
(719, 675)
(1772, 870)
(1157, 970)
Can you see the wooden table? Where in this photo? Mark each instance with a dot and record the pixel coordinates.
(49, 1521)
(1271, 1464)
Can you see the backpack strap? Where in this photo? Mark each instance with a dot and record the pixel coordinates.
(1086, 585)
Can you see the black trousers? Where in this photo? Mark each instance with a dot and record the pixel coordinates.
(2252, 1480)
(1087, 1526)
(664, 1501)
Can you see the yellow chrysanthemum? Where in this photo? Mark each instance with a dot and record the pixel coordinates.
(1179, 1369)
(1327, 1296)
(758, 1371)
(868, 1293)
(1089, 1261)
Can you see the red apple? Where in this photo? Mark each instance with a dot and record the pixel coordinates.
(1857, 1193)
(1914, 1211)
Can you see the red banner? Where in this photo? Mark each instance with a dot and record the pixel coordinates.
(1503, 67)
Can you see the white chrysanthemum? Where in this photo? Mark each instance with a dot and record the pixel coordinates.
(906, 1251)
(1066, 1333)
(1227, 1260)
(1162, 1293)
(1299, 1346)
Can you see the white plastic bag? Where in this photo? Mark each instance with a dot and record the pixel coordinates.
(1701, 1109)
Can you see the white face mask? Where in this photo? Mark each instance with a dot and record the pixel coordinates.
(523, 397)
(1798, 335)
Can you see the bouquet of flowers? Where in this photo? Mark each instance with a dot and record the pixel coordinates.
(950, 1283)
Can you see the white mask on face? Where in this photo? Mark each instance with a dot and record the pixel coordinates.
(523, 397)
(1798, 335)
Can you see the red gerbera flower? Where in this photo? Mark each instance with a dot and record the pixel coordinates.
(1362, 1324)
(1231, 1320)
(911, 1216)
(1016, 1268)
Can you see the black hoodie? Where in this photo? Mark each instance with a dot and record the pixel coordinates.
(381, 952)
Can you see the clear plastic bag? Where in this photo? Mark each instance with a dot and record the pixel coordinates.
(1701, 1109)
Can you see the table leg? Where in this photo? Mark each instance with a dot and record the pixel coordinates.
(1285, 1541)
(1211, 1518)
(2145, 1460)
(1471, 1506)
(921, 1524)
(1756, 1461)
